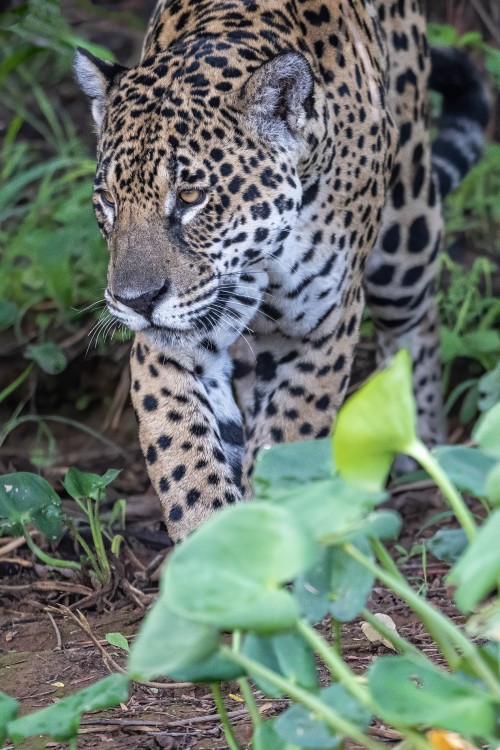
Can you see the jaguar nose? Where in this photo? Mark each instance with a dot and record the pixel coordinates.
(144, 303)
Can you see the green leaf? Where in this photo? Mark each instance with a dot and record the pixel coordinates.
(466, 467)
(118, 640)
(279, 468)
(337, 584)
(493, 486)
(167, 644)
(447, 544)
(265, 738)
(477, 572)
(216, 668)
(375, 424)
(330, 509)
(286, 654)
(8, 314)
(229, 572)
(26, 498)
(487, 432)
(49, 357)
(80, 484)
(8, 712)
(421, 694)
(62, 719)
(300, 726)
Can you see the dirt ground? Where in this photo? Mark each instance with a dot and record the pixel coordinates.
(44, 653)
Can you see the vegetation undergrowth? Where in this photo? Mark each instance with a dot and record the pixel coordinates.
(28, 500)
(316, 522)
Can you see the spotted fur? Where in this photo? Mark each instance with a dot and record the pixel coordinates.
(297, 133)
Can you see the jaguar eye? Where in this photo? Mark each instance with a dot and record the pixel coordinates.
(191, 197)
(108, 199)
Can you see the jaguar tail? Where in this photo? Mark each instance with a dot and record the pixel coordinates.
(464, 117)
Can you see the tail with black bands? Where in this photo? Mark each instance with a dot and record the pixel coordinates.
(465, 115)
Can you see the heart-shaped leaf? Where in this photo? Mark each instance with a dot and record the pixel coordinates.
(487, 432)
(300, 726)
(62, 719)
(279, 468)
(478, 570)
(229, 572)
(26, 498)
(375, 424)
(330, 509)
(336, 584)
(167, 644)
(447, 544)
(286, 654)
(80, 484)
(8, 712)
(265, 738)
(493, 485)
(421, 694)
(467, 468)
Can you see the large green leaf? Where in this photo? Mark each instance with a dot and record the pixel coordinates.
(412, 694)
(468, 468)
(80, 484)
(62, 719)
(26, 498)
(477, 572)
(286, 654)
(375, 424)
(279, 468)
(493, 485)
(167, 643)
(336, 584)
(229, 572)
(330, 509)
(265, 738)
(8, 712)
(302, 727)
(447, 544)
(487, 432)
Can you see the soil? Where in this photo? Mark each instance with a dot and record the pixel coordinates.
(44, 653)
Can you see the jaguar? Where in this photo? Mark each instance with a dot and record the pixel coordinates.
(264, 171)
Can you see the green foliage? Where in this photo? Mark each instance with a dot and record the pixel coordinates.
(226, 575)
(28, 500)
(232, 574)
(61, 720)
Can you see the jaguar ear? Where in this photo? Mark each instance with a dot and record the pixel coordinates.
(274, 99)
(95, 77)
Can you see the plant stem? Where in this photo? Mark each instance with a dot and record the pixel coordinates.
(83, 544)
(465, 518)
(337, 636)
(245, 687)
(311, 701)
(73, 744)
(221, 710)
(247, 694)
(432, 618)
(334, 662)
(446, 648)
(95, 528)
(55, 562)
(16, 383)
